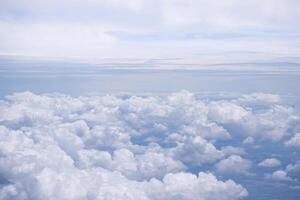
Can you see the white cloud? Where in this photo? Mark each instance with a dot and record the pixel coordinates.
(230, 150)
(276, 121)
(89, 30)
(233, 165)
(294, 141)
(259, 99)
(137, 116)
(153, 164)
(226, 112)
(292, 168)
(188, 186)
(279, 175)
(165, 13)
(270, 162)
(248, 140)
(197, 151)
(60, 147)
(272, 123)
(42, 170)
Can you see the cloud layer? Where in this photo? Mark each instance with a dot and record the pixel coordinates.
(196, 31)
(129, 147)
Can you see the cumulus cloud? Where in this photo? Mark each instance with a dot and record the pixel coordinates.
(230, 150)
(279, 175)
(43, 170)
(233, 165)
(248, 140)
(226, 112)
(270, 162)
(188, 186)
(293, 170)
(114, 147)
(294, 141)
(272, 123)
(293, 167)
(59, 147)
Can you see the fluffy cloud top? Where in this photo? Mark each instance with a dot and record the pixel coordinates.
(233, 164)
(270, 162)
(128, 147)
(294, 141)
(279, 175)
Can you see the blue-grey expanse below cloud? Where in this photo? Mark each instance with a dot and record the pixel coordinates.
(177, 146)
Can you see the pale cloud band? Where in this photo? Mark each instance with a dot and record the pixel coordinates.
(199, 32)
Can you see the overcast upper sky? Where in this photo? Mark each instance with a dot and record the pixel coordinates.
(193, 31)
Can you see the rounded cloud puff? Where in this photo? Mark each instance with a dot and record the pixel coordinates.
(270, 162)
(279, 175)
(294, 141)
(233, 164)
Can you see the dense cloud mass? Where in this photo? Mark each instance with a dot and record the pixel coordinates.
(133, 147)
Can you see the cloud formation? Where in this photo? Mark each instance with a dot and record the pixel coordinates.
(114, 147)
(234, 31)
(233, 165)
(270, 162)
(279, 175)
(294, 141)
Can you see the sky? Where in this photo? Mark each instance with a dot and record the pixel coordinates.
(149, 100)
(172, 31)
